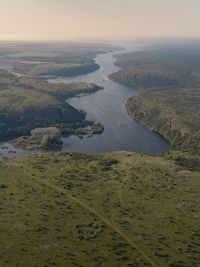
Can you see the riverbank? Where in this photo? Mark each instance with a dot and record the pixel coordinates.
(107, 106)
(46, 60)
(27, 104)
(170, 108)
(118, 130)
(175, 115)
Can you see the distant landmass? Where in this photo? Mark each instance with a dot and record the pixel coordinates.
(51, 60)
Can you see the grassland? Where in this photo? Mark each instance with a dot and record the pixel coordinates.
(119, 209)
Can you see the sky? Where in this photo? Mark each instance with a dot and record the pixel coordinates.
(98, 19)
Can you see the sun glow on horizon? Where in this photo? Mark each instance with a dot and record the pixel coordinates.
(98, 20)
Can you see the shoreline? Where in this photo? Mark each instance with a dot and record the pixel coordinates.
(160, 146)
(131, 113)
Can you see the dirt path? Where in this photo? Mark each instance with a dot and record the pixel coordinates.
(85, 206)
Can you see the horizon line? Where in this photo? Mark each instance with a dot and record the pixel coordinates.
(97, 40)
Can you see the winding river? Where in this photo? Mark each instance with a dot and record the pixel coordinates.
(121, 132)
(106, 106)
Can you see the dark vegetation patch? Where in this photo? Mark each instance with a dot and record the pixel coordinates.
(159, 68)
(107, 164)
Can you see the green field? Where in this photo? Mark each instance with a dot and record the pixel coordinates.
(119, 209)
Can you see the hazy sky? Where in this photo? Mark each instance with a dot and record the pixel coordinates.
(98, 19)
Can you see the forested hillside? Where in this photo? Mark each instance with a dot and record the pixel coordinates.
(26, 104)
(169, 80)
(159, 69)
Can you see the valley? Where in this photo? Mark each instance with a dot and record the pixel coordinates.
(99, 133)
(108, 205)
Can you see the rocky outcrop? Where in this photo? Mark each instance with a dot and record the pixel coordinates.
(41, 138)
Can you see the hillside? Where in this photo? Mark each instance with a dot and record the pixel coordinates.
(23, 110)
(170, 101)
(98, 210)
(159, 68)
(26, 104)
(8, 80)
(178, 111)
(174, 113)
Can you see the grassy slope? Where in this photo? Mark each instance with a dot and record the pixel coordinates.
(16, 99)
(118, 209)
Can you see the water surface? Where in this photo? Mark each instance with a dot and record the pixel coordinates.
(106, 106)
(121, 132)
